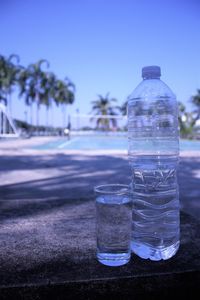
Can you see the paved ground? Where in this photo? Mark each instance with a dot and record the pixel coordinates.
(47, 224)
(52, 255)
(28, 176)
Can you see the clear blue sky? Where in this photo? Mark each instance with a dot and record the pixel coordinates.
(102, 45)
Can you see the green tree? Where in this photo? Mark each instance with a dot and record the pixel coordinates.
(33, 84)
(196, 102)
(11, 78)
(47, 92)
(123, 108)
(182, 117)
(26, 90)
(64, 94)
(8, 77)
(3, 72)
(38, 84)
(43, 88)
(51, 84)
(102, 107)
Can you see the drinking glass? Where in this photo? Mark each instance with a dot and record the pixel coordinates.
(113, 223)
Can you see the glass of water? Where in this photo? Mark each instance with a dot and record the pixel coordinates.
(113, 223)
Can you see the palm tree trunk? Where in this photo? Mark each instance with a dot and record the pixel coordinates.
(78, 120)
(4, 119)
(4, 123)
(0, 121)
(31, 114)
(64, 115)
(52, 116)
(37, 115)
(198, 116)
(52, 119)
(10, 110)
(47, 118)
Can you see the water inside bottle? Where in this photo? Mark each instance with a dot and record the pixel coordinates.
(155, 227)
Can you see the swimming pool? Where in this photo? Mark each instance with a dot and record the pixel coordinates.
(104, 143)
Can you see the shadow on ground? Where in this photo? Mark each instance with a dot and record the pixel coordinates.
(48, 181)
(47, 220)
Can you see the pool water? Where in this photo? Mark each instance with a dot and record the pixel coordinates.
(104, 143)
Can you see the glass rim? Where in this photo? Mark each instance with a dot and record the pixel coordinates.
(118, 189)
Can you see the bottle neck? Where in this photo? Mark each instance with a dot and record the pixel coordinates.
(151, 77)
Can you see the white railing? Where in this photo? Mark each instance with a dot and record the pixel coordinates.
(7, 126)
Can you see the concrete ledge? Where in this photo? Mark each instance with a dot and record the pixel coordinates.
(70, 271)
(149, 287)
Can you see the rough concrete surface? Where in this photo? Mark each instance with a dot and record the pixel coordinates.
(47, 227)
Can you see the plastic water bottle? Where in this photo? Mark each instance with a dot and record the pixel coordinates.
(153, 155)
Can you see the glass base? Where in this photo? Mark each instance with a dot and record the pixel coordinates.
(148, 252)
(113, 260)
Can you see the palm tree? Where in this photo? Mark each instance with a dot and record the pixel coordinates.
(181, 116)
(26, 90)
(104, 106)
(49, 92)
(33, 83)
(44, 88)
(2, 91)
(3, 72)
(11, 78)
(123, 108)
(63, 95)
(39, 82)
(8, 78)
(196, 101)
(186, 120)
